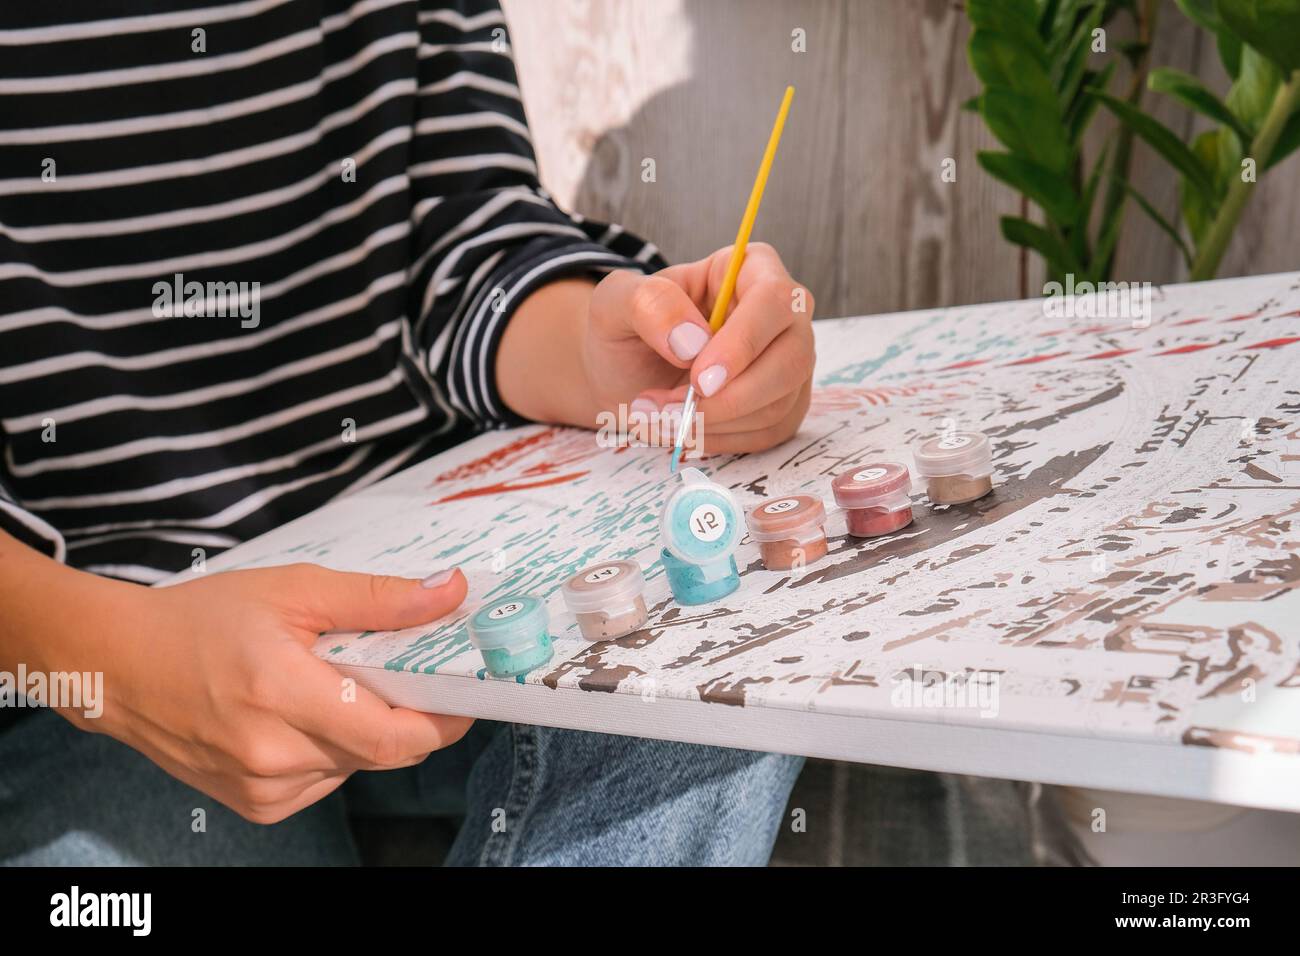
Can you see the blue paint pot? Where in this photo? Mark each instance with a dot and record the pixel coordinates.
(701, 525)
(512, 634)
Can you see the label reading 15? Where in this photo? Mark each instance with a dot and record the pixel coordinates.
(782, 506)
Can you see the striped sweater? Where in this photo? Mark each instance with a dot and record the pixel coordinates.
(253, 256)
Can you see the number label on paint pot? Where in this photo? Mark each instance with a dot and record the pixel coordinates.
(708, 523)
(870, 474)
(501, 611)
(949, 442)
(603, 574)
(782, 506)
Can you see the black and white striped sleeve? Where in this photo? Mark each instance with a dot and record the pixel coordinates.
(27, 527)
(486, 232)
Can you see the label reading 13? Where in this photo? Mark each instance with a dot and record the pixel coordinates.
(505, 610)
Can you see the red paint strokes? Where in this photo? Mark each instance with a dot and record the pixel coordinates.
(501, 457)
(1113, 353)
(510, 484)
(1185, 349)
(1192, 321)
(1245, 316)
(969, 363)
(1033, 359)
(1274, 343)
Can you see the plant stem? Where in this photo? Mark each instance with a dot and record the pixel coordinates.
(1220, 232)
(1113, 205)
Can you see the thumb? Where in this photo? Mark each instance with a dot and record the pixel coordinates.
(654, 309)
(344, 601)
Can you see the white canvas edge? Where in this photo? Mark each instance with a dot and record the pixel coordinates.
(1265, 781)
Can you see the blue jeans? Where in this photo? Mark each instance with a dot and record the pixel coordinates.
(530, 796)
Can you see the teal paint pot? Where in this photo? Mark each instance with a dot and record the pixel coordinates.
(701, 525)
(689, 582)
(512, 634)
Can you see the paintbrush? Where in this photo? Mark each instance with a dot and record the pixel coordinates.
(733, 267)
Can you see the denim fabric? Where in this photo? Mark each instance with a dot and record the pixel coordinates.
(528, 796)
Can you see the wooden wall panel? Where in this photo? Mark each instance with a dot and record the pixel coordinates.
(856, 205)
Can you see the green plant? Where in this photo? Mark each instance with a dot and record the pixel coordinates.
(1258, 123)
(1039, 97)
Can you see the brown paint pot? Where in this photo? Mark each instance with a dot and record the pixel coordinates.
(607, 599)
(957, 467)
(790, 531)
(874, 498)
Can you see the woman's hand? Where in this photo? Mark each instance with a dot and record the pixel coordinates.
(648, 338)
(574, 351)
(214, 681)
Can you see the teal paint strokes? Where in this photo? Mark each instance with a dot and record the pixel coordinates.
(857, 373)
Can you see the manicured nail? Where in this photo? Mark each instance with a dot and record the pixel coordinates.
(686, 340)
(438, 579)
(712, 379)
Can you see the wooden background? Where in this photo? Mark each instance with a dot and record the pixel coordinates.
(856, 203)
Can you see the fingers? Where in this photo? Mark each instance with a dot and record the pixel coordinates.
(780, 369)
(767, 402)
(768, 302)
(359, 730)
(654, 309)
(319, 599)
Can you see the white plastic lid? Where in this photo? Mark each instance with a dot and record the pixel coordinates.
(701, 521)
(608, 586)
(957, 453)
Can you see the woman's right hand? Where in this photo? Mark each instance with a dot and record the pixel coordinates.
(214, 680)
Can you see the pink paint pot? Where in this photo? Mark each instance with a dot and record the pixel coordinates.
(874, 498)
(790, 531)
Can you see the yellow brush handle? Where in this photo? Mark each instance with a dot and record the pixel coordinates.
(751, 213)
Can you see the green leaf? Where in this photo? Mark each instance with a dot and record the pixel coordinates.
(1203, 14)
(1072, 66)
(1230, 53)
(1025, 233)
(1017, 19)
(1198, 209)
(999, 62)
(1080, 115)
(1271, 26)
(972, 105)
(1165, 225)
(1051, 191)
(1253, 92)
(1191, 92)
(1027, 126)
(1159, 138)
(1287, 143)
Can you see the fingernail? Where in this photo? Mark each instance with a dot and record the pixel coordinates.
(438, 579)
(712, 379)
(686, 340)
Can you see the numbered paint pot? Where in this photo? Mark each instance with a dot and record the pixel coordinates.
(701, 526)
(512, 634)
(607, 599)
(957, 467)
(874, 498)
(789, 531)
